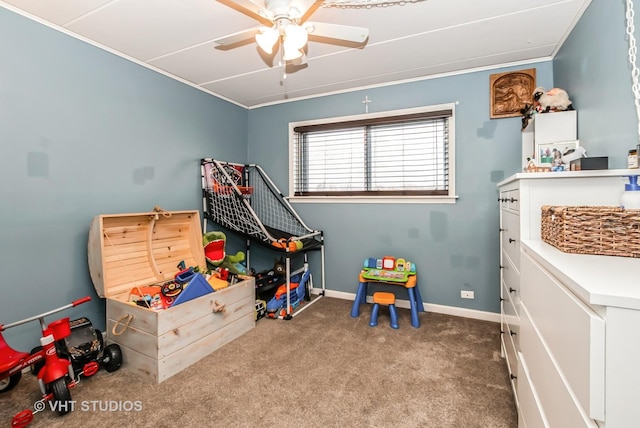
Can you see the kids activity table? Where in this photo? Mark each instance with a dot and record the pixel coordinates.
(407, 280)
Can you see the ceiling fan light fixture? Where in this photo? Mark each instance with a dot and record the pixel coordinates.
(267, 38)
(291, 53)
(295, 36)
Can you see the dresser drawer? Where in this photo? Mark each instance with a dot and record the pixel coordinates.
(511, 280)
(529, 408)
(571, 332)
(556, 399)
(509, 336)
(510, 199)
(510, 236)
(511, 358)
(509, 309)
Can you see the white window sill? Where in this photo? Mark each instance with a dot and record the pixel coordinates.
(373, 199)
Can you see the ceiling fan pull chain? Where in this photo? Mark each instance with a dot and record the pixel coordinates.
(282, 62)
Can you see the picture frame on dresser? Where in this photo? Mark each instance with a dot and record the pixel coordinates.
(546, 153)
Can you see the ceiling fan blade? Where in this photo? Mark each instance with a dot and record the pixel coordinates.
(305, 8)
(240, 36)
(255, 10)
(335, 31)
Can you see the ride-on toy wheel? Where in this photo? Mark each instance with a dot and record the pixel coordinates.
(35, 368)
(112, 357)
(8, 383)
(61, 395)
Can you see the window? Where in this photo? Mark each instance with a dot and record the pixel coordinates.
(405, 154)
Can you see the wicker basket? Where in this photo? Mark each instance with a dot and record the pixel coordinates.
(604, 230)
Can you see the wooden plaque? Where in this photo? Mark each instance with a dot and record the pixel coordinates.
(511, 92)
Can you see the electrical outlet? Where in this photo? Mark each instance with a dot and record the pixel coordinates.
(465, 294)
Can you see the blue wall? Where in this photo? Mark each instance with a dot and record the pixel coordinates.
(593, 67)
(454, 246)
(82, 133)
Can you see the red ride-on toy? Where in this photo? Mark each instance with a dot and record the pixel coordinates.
(57, 360)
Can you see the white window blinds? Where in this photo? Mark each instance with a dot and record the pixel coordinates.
(395, 155)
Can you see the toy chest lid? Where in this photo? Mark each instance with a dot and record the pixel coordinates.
(138, 249)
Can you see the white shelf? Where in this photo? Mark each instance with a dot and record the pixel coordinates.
(548, 128)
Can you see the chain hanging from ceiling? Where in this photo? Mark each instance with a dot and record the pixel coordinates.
(633, 50)
(366, 4)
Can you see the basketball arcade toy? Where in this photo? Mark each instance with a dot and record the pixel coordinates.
(389, 270)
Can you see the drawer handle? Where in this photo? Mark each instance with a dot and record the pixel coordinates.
(512, 290)
(501, 299)
(512, 376)
(217, 307)
(501, 267)
(501, 230)
(512, 333)
(511, 240)
(513, 200)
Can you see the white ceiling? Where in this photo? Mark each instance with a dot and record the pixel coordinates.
(411, 41)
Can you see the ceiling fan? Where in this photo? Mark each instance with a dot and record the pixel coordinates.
(285, 23)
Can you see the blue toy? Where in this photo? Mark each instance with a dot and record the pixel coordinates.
(297, 287)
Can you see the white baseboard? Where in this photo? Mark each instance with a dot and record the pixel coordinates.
(428, 307)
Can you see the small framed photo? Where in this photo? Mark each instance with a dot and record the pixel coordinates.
(550, 154)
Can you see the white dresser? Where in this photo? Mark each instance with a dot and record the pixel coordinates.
(570, 323)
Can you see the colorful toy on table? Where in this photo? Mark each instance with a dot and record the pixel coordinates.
(388, 269)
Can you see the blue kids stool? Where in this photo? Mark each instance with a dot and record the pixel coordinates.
(383, 298)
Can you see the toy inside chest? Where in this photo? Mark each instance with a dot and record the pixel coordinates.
(131, 254)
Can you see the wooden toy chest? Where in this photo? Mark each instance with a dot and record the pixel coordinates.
(140, 249)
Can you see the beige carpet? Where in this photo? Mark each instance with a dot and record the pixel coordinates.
(320, 369)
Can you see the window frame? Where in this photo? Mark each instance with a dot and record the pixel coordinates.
(450, 198)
